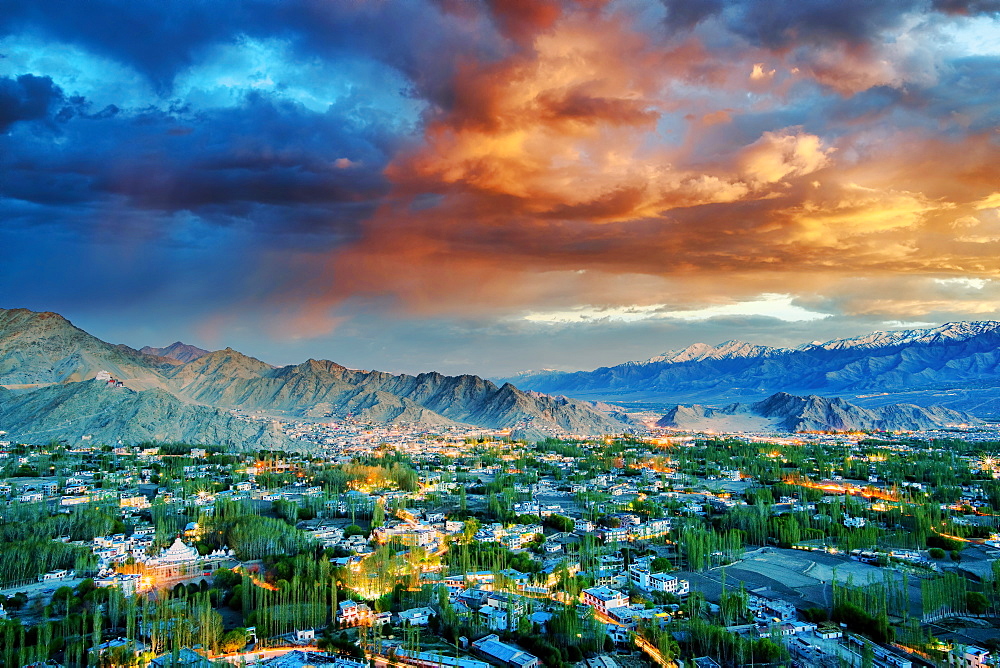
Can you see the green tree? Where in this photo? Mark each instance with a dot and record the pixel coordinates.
(378, 515)
(976, 602)
(233, 641)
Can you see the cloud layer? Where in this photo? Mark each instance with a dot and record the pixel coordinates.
(320, 166)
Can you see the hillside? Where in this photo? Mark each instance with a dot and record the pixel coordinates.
(101, 413)
(181, 352)
(45, 348)
(320, 387)
(41, 351)
(788, 413)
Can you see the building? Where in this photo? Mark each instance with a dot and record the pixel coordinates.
(435, 660)
(829, 632)
(301, 658)
(650, 529)
(128, 583)
(614, 535)
(495, 619)
(186, 658)
(416, 617)
(705, 662)
(352, 613)
(642, 578)
(183, 561)
(608, 577)
(504, 654)
(137, 501)
(882, 657)
(603, 598)
(623, 616)
(969, 656)
(765, 608)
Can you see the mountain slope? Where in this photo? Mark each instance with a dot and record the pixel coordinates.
(102, 413)
(958, 360)
(181, 352)
(226, 378)
(44, 350)
(789, 413)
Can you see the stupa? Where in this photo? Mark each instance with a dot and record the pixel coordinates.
(178, 553)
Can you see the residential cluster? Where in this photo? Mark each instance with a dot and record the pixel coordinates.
(469, 549)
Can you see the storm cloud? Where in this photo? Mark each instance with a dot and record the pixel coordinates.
(343, 172)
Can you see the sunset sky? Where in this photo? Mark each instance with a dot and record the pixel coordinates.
(487, 187)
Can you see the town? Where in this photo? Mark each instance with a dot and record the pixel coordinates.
(408, 547)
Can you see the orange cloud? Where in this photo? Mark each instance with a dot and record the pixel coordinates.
(777, 155)
(554, 180)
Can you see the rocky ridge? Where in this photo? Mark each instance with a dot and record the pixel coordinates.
(94, 411)
(789, 413)
(42, 350)
(181, 352)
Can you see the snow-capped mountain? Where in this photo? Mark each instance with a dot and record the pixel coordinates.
(956, 364)
(728, 350)
(952, 331)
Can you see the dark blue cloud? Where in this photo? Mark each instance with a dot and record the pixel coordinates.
(158, 38)
(783, 23)
(27, 98)
(264, 159)
(169, 186)
(686, 14)
(420, 39)
(965, 99)
(265, 163)
(196, 157)
(967, 7)
(265, 151)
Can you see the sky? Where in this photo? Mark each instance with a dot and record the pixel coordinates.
(489, 186)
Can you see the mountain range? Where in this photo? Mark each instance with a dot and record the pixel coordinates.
(93, 410)
(59, 382)
(48, 368)
(783, 412)
(181, 352)
(956, 365)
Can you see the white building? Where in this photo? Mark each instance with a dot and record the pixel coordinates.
(128, 583)
(416, 616)
(352, 613)
(969, 656)
(642, 578)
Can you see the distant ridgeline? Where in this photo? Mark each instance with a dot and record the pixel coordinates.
(59, 382)
(787, 413)
(956, 365)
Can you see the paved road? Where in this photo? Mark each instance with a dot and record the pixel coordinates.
(41, 589)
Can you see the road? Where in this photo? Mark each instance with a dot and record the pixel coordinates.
(41, 589)
(653, 653)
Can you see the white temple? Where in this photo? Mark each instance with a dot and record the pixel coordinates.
(177, 553)
(183, 561)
